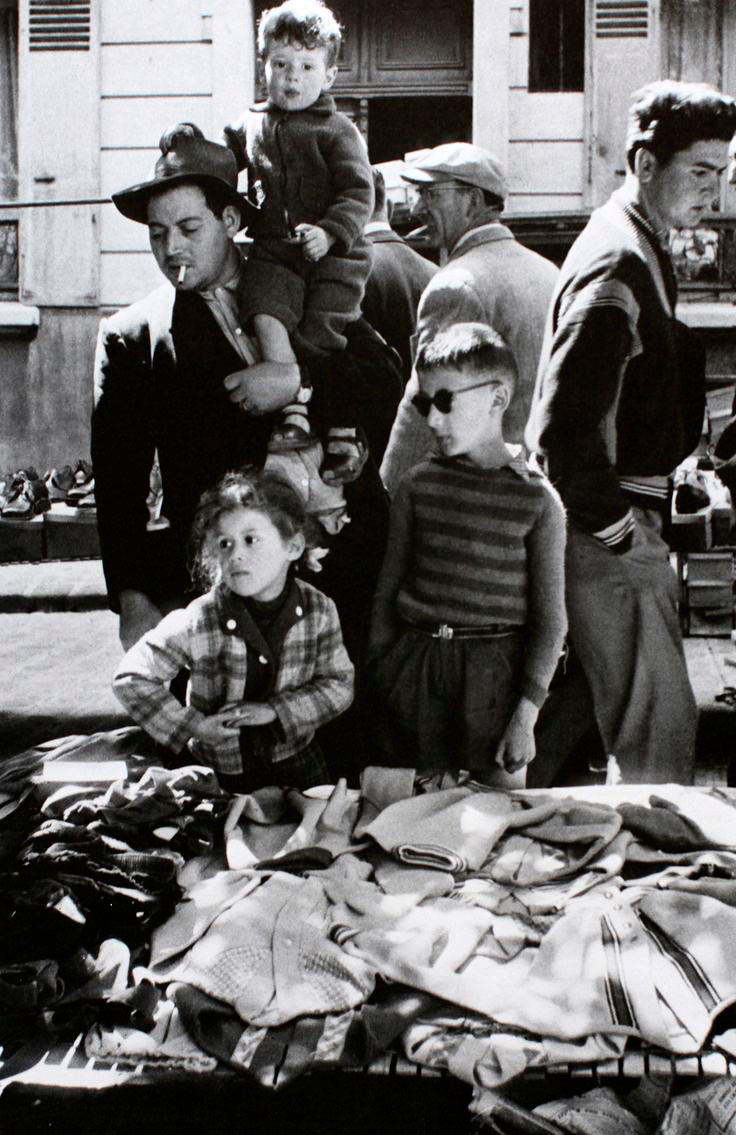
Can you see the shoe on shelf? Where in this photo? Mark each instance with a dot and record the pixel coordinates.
(59, 482)
(28, 473)
(6, 486)
(83, 481)
(88, 501)
(27, 499)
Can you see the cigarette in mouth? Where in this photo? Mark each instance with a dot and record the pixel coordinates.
(182, 274)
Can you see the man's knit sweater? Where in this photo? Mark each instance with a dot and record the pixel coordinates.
(620, 393)
(471, 547)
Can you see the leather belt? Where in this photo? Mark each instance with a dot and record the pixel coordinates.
(444, 630)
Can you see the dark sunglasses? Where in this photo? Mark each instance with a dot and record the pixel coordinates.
(442, 399)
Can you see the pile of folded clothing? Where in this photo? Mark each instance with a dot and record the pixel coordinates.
(480, 932)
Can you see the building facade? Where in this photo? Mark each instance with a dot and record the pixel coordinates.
(89, 86)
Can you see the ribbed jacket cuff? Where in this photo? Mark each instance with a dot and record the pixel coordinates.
(617, 532)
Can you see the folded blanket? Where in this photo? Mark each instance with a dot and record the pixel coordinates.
(451, 830)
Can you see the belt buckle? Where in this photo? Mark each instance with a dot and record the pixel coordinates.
(443, 631)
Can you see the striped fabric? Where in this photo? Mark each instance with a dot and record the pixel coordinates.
(470, 528)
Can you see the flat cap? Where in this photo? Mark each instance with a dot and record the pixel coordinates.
(458, 161)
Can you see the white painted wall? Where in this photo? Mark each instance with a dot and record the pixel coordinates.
(185, 60)
(538, 137)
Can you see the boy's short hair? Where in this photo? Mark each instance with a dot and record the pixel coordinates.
(309, 23)
(668, 116)
(473, 347)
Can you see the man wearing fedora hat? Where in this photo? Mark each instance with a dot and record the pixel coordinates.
(159, 378)
(486, 277)
(173, 373)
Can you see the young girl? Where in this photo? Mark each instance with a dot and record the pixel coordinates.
(264, 650)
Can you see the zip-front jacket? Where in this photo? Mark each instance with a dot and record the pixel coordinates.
(620, 392)
(304, 167)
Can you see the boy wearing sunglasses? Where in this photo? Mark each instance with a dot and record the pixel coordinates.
(469, 614)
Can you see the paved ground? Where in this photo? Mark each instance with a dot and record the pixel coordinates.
(56, 664)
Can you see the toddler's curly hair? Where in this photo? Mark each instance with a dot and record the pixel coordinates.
(309, 23)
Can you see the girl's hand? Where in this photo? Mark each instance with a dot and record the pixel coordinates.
(249, 713)
(216, 729)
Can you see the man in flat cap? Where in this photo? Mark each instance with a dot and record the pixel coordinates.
(174, 373)
(487, 277)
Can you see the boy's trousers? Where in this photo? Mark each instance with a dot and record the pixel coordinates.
(445, 703)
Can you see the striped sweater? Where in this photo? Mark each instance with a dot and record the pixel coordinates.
(470, 546)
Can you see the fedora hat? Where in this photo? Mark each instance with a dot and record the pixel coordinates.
(186, 157)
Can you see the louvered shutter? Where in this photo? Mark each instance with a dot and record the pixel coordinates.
(59, 25)
(59, 151)
(621, 58)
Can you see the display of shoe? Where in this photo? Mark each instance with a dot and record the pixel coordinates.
(59, 482)
(87, 501)
(27, 498)
(28, 472)
(84, 481)
(6, 485)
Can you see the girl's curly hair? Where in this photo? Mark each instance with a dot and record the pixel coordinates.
(243, 488)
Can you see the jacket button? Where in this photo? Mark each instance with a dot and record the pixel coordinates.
(262, 659)
(299, 612)
(231, 625)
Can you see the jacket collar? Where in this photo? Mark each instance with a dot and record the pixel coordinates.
(484, 232)
(324, 106)
(235, 619)
(644, 238)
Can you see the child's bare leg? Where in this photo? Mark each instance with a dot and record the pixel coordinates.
(293, 430)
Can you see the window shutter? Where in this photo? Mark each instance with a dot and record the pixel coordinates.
(622, 57)
(59, 25)
(621, 18)
(59, 148)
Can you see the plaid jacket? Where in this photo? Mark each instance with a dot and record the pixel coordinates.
(312, 679)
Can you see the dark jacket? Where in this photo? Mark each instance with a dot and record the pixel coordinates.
(159, 371)
(397, 279)
(308, 166)
(621, 389)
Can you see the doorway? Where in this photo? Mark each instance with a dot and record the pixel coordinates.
(397, 125)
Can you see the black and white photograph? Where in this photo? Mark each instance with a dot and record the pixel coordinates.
(367, 577)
